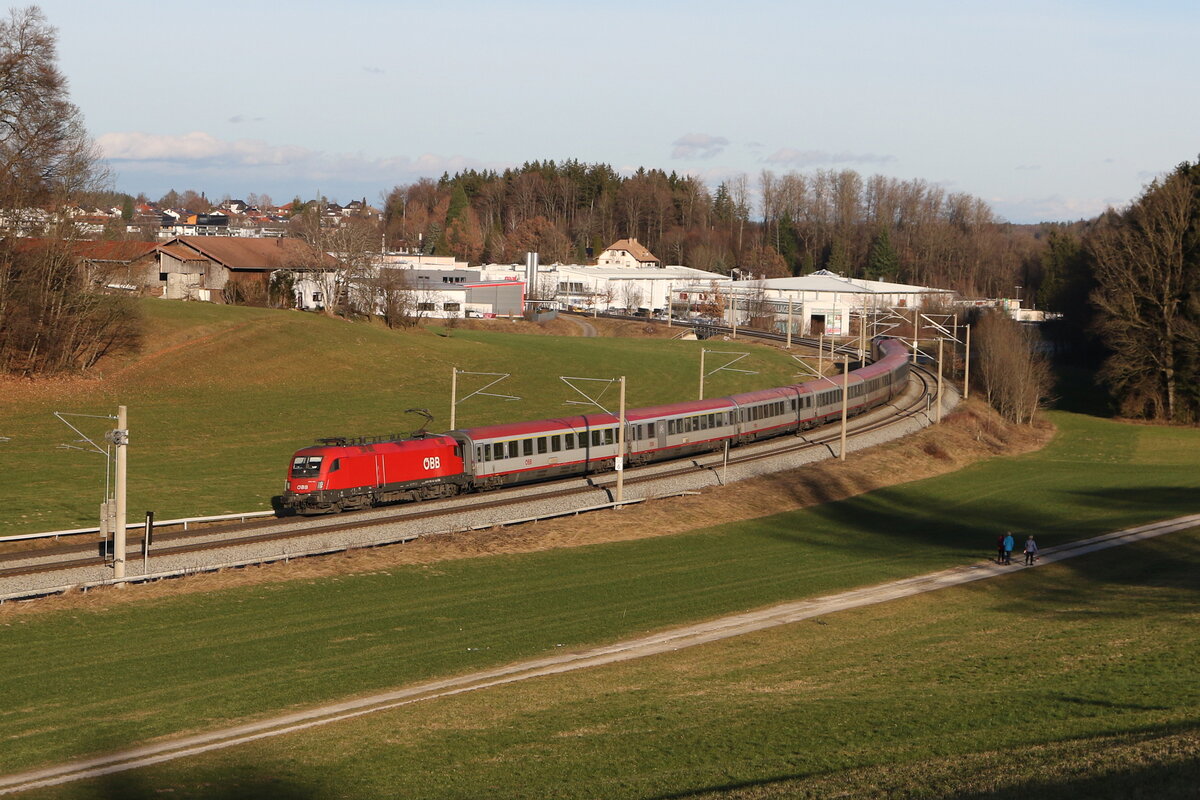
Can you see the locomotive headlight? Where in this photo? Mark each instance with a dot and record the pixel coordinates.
(320, 484)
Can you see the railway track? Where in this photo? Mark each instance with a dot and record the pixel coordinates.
(444, 516)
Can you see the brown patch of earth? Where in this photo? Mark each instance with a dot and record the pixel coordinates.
(972, 433)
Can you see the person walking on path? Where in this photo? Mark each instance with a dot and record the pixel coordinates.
(1008, 547)
(1031, 550)
(1000, 549)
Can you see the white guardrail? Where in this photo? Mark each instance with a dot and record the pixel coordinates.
(139, 525)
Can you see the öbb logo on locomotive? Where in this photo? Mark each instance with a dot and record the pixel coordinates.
(343, 474)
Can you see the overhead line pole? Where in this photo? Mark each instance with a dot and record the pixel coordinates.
(620, 462)
(938, 415)
(967, 367)
(789, 326)
(845, 405)
(122, 439)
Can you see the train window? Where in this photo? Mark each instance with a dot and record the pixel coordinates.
(336, 465)
(527, 447)
(541, 445)
(595, 438)
(309, 467)
(514, 449)
(498, 450)
(608, 436)
(555, 443)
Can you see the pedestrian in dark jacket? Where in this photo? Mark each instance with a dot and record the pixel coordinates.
(1000, 549)
(1008, 547)
(1031, 550)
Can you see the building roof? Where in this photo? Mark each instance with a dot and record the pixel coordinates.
(246, 253)
(109, 251)
(634, 248)
(826, 281)
(181, 253)
(119, 252)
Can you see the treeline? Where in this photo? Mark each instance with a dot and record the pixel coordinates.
(1128, 286)
(790, 224)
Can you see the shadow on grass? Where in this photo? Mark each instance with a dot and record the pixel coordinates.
(1148, 763)
(909, 523)
(235, 784)
(1077, 390)
(1162, 782)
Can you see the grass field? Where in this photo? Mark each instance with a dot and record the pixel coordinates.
(1051, 683)
(222, 396)
(914, 695)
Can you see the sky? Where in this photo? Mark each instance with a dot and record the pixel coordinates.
(1048, 110)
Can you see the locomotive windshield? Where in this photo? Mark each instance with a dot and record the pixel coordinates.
(306, 466)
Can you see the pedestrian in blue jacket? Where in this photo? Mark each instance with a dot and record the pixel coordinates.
(1008, 547)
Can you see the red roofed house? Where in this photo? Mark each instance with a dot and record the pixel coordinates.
(202, 267)
(628, 253)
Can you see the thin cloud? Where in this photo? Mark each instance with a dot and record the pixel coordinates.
(374, 70)
(698, 145)
(201, 152)
(237, 119)
(791, 157)
(1050, 208)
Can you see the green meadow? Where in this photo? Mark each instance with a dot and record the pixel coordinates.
(221, 396)
(964, 692)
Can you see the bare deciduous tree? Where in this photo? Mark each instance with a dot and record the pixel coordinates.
(1014, 377)
(1147, 272)
(631, 296)
(51, 316)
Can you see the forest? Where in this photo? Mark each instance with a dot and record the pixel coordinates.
(909, 231)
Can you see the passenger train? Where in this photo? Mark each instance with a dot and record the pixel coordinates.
(342, 474)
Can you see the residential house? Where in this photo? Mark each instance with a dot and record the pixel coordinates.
(627, 253)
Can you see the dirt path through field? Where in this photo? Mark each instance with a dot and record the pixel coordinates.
(585, 328)
(661, 642)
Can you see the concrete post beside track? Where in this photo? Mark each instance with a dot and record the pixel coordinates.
(939, 382)
(967, 366)
(845, 404)
(620, 463)
(122, 440)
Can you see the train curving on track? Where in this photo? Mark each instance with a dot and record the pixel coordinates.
(344, 474)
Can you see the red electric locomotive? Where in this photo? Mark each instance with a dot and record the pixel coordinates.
(342, 474)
